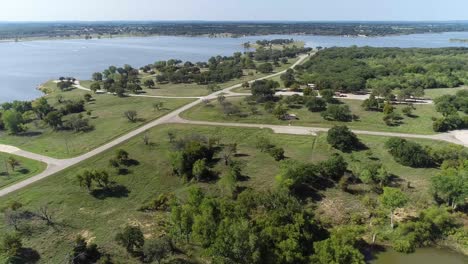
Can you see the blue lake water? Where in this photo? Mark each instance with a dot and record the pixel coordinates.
(25, 65)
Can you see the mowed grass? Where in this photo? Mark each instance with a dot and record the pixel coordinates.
(420, 123)
(106, 117)
(434, 93)
(77, 212)
(26, 169)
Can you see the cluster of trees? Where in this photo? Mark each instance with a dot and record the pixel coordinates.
(15, 116)
(277, 55)
(270, 227)
(386, 69)
(217, 69)
(266, 42)
(117, 80)
(450, 106)
(191, 157)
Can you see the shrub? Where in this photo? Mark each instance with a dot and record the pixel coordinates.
(408, 153)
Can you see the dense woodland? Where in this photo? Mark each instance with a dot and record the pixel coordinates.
(81, 29)
(382, 70)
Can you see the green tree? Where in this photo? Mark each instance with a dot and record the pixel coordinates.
(131, 238)
(316, 104)
(149, 83)
(451, 185)
(131, 115)
(327, 95)
(13, 162)
(157, 249)
(200, 170)
(97, 77)
(13, 121)
(95, 86)
(392, 198)
(54, 119)
(341, 247)
(342, 138)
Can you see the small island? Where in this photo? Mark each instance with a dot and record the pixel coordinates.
(459, 40)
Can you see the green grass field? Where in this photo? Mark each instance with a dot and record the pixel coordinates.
(106, 117)
(98, 220)
(420, 124)
(434, 93)
(26, 169)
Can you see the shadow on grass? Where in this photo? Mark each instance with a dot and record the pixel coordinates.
(25, 256)
(30, 134)
(116, 191)
(23, 171)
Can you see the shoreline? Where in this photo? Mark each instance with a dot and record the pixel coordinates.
(221, 35)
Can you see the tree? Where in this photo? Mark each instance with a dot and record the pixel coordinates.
(228, 151)
(158, 106)
(409, 153)
(131, 238)
(338, 113)
(41, 107)
(85, 180)
(316, 104)
(157, 249)
(264, 90)
(341, 247)
(392, 198)
(87, 97)
(97, 77)
(451, 186)
(95, 86)
(245, 85)
(45, 214)
(388, 108)
(131, 115)
(84, 253)
(265, 67)
(13, 121)
(13, 162)
(149, 83)
(280, 111)
(122, 156)
(54, 120)
(342, 138)
(200, 170)
(11, 245)
(213, 87)
(327, 95)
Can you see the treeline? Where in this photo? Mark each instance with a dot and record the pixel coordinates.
(385, 69)
(219, 69)
(266, 42)
(22, 30)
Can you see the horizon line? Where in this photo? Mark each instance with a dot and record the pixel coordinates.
(239, 21)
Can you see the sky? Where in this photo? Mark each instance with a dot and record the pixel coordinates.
(293, 10)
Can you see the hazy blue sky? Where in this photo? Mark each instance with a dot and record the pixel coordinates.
(49, 10)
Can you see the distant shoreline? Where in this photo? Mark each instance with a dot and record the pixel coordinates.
(221, 35)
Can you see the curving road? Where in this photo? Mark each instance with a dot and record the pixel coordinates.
(56, 165)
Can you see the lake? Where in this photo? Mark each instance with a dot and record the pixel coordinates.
(25, 65)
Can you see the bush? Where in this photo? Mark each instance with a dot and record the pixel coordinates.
(342, 138)
(277, 153)
(409, 153)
